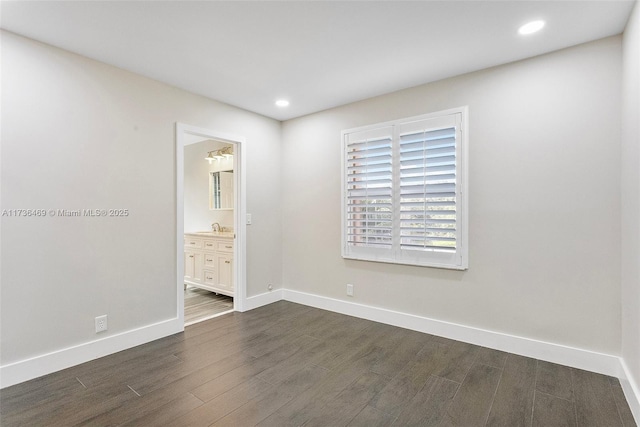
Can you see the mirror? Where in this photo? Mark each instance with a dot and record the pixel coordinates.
(221, 190)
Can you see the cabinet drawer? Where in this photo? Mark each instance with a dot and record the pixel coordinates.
(209, 260)
(192, 243)
(209, 277)
(224, 246)
(209, 245)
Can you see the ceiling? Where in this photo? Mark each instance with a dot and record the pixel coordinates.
(317, 54)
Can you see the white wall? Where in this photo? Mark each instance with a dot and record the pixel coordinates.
(197, 215)
(544, 202)
(77, 134)
(631, 204)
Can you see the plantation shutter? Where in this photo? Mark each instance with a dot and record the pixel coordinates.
(369, 191)
(428, 186)
(403, 199)
(428, 190)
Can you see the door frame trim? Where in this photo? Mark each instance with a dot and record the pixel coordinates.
(239, 182)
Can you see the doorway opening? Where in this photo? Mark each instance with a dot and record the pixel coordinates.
(210, 235)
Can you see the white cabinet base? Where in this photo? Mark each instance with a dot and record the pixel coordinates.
(208, 263)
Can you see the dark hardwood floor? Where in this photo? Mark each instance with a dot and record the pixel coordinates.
(200, 305)
(290, 365)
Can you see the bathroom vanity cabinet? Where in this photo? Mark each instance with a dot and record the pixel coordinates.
(208, 261)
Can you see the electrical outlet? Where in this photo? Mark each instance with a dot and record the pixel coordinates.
(349, 289)
(101, 323)
(248, 219)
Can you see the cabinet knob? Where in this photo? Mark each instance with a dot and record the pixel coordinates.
(190, 256)
(227, 262)
(229, 247)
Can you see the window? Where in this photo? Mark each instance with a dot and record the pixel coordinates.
(404, 194)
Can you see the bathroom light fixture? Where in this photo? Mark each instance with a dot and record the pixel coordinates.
(220, 154)
(210, 157)
(531, 27)
(226, 152)
(282, 103)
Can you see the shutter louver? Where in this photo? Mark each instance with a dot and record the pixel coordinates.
(428, 190)
(369, 192)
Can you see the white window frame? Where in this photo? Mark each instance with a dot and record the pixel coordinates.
(458, 260)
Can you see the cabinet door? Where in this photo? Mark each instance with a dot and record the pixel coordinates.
(224, 264)
(193, 266)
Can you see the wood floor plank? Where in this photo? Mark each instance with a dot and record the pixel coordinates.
(269, 343)
(513, 403)
(340, 410)
(341, 350)
(201, 356)
(340, 340)
(491, 357)
(227, 381)
(326, 325)
(279, 372)
(404, 349)
(18, 397)
(200, 303)
(138, 367)
(165, 414)
(311, 319)
(208, 326)
(431, 360)
(310, 404)
(621, 402)
(552, 411)
(71, 410)
(192, 373)
(428, 407)
(460, 358)
(49, 385)
(223, 404)
(66, 402)
(260, 408)
(160, 396)
(82, 411)
(554, 379)
(473, 400)
(371, 417)
(595, 404)
(236, 333)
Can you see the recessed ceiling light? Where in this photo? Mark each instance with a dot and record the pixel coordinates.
(531, 27)
(282, 103)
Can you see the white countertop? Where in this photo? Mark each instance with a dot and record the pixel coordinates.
(219, 234)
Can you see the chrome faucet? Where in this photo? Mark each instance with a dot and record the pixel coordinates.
(215, 227)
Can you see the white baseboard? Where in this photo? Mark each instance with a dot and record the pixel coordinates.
(44, 364)
(575, 357)
(262, 299)
(631, 390)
